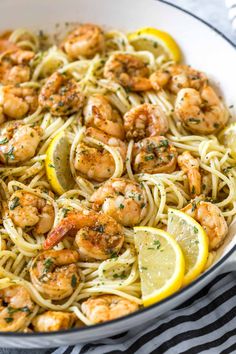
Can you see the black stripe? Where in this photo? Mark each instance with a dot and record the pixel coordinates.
(209, 307)
(69, 350)
(199, 348)
(229, 350)
(89, 346)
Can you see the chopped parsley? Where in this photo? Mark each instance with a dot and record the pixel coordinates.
(121, 206)
(149, 157)
(9, 155)
(15, 202)
(195, 229)
(4, 141)
(157, 244)
(65, 211)
(47, 265)
(51, 165)
(99, 228)
(164, 143)
(194, 120)
(73, 281)
(8, 319)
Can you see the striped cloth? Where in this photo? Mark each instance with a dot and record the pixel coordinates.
(204, 324)
(231, 5)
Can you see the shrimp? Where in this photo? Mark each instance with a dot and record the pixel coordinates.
(86, 40)
(122, 199)
(200, 112)
(211, 219)
(97, 236)
(61, 95)
(94, 162)
(98, 113)
(55, 273)
(18, 142)
(129, 71)
(53, 321)
(145, 120)
(15, 66)
(176, 76)
(154, 155)
(107, 307)
(190, 166)
(15, 307)
(29, 210)
(17, 102)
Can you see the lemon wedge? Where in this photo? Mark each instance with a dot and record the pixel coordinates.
(57, 164)
(227, 137)
(155, 41)
(193, 241)
(161, 263)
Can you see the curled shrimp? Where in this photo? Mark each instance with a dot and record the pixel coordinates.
(86, 40)
(97, 236)
(18, 142)
(211, 219)
(129, 71)
(15, 66)
(98, 113)
(15, 307)
(61, 95)
(53, 321)
(176, 76)
(55, 273)
(190, 166)
(122, 199)
(94, 162)
(17, 102)
(145, 120)
(29, 210)
(154, 155)
(107, 307)
(200, 112)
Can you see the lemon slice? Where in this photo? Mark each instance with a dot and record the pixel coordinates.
(228, 137)
(57, 164)
(193, 241)
(155, 41)
(161, 263)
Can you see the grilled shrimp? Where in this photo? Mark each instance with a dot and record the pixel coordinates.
(15, 66)
(94, 162)
(86, 40)
(211, 219)
(55, 274)
(98, 113)
(190, 166)
(200, 112)
(29, 210)
(17, 102)
(129, 71)
(122, 199)
(154, 155)
(144, 121)
(61, 95)
(15, 307)
(97, 236)
(18, 142)
(53, 321)
(107, 307)
(176, 76)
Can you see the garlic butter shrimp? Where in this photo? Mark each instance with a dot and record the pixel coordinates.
(29, 210)
(55, 273)
(15, 307)
(107, 307)
(211, 219)
(61, 95)
(86, 40)
(97, 236)
(176, 76)
(145, 120)
(129, 71)
(53, 321)
(17, 102)
(94, 162)
(154, 155)
(190, 166)
(200, 112)
(18, 142)
(15, 66)
(98, 113)
(122, 199)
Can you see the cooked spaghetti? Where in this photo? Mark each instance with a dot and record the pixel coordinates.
(143, 137)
